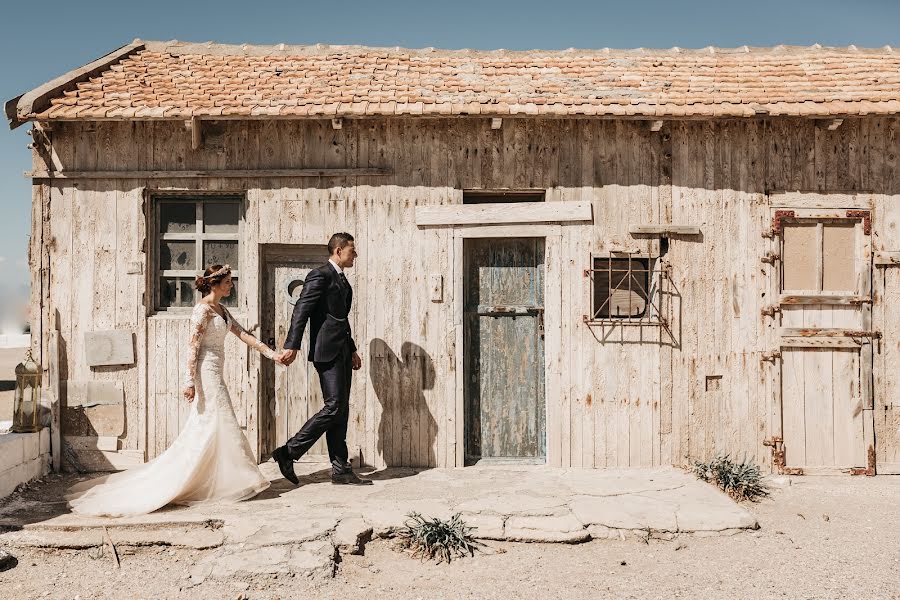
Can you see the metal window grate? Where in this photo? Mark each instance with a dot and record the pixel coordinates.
(628, 290)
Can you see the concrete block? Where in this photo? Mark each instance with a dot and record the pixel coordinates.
(45, 440)
(12, 450)
(34, 469)
(32, 446)
(103, 348)
(10, 480)
(94, 393)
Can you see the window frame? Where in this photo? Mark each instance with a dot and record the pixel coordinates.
(652, 268)
(198, 199)
(820, 218)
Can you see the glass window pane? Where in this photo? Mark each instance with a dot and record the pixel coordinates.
(180, 256)
(800, 254)
(232, 298)
(176, 291)
(220, 253)
(221, 217)
(839, 253)
(177, 217)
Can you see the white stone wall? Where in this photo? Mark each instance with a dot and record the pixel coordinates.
(23, 457)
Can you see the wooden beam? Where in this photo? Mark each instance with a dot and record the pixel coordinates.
(820, 200)
(196, 133)
(503, 212)
(797, 299)
(819, 342)
(38, 99)
(826, 332)
(656, 125)
(223, 173)
(337, 123)
(664, 229)
(496, 123)
(834, 124)
(886, 258)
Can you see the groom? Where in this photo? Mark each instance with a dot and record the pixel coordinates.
(325, 302)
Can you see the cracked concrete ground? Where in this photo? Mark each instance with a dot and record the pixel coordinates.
(304, 530)
(819, 537)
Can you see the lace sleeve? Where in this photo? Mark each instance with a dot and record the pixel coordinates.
(199, 319)
(248, 338)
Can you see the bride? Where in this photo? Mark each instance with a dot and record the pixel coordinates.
(211, 459)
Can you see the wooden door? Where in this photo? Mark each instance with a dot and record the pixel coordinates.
(504, 349)
(824, 299)
(291, 395)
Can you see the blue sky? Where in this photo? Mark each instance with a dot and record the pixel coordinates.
(45, 42)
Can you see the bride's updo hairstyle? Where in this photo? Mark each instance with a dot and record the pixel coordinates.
(213, 275)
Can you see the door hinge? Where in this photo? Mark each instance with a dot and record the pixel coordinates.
(770, 310)
(776, 443)
(770, 357)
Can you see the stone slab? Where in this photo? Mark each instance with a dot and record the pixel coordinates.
(565, 529)
(12, 450)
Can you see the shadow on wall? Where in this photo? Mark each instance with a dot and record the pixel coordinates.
(407, 431)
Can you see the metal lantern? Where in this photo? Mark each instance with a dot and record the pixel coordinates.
(26, 414)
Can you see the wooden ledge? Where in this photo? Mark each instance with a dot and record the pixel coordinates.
(222, 173)
(503, 213)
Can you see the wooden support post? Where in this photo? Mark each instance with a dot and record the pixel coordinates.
(196, 133)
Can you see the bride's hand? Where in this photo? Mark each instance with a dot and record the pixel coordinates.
(189, 394)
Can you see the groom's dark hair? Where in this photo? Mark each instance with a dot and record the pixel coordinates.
(338, 240)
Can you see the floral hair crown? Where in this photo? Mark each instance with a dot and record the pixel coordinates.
(224, 271)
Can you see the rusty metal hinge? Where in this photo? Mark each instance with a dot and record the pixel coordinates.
(770, 258)
(770, 357)
(770, 310)
(780, 215)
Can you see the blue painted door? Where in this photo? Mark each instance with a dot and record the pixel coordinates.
(505, 415)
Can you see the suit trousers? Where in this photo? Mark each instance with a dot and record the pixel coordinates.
(332, 419)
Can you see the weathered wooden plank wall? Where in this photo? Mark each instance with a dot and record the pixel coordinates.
(627, 397)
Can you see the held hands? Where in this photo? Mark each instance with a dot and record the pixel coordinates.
(286, 357)
(189, 394)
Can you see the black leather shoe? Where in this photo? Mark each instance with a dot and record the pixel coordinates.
(285, 464)
(349, 478)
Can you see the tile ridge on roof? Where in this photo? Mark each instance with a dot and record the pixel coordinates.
(176, 47)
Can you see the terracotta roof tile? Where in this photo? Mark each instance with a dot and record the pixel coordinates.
(176, 80)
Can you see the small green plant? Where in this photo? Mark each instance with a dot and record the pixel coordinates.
(741, 481)
(436, 539)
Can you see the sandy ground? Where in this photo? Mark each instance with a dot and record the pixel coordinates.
(820, 538)
(9, 358)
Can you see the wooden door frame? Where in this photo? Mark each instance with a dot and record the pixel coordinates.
(268, 253)
(814, 205)
(552, 235)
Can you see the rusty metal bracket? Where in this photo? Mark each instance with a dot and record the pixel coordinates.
(770, 258)
(866, 217)
(770, 357)
(770, 310)
(780, 215)
(777, 445)
(869, 471)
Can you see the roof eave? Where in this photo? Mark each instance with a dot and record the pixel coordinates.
(19, 110)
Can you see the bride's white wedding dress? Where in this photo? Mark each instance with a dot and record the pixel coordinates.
(209, 461)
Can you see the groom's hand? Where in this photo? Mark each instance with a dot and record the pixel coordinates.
(287, 357)
(356, 361)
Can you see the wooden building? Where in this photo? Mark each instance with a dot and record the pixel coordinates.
(602, 258)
